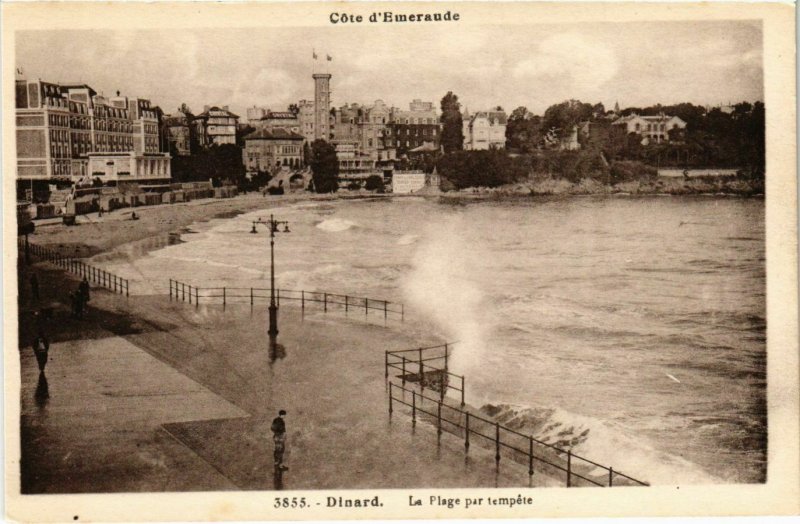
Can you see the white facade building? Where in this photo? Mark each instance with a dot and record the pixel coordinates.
(404, 182)
(485, 130)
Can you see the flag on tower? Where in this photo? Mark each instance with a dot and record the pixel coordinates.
(329, 58)
(314, 53)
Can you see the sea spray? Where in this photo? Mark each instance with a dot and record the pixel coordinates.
(442, 286)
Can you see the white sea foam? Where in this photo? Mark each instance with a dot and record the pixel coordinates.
(335, 225)
(604, 442)
(442, 286)
(406, 240)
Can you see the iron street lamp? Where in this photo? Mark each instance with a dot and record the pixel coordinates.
(273, 307)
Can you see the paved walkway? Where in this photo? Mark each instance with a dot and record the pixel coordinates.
(182, 399)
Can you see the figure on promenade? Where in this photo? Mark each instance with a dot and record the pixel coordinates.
(41, 346)
(77, 304)
(83, 289)
(279, 438)
(35, 286)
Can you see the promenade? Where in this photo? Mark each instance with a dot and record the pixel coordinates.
(151, 395)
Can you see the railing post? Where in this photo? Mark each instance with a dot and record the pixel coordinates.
(386, 364)
(462, 390)
(127, 287)
(569, 468)
(413, 407)
(251, 296)
(530, 455)
(183, 292)
(439, 418)
(497, 442)
(346, 305)
(115, 283)
(610, 477)
(402, 312)
(366, 306)
(223, 295)
(385, 310)
(445, 357)
(403, 376)
(325, 300)
(170, 289)
(421, 371)
(466, 435)
(196, 298)
(303, 302)
(279, 296)
(390, 397)
(190, 293)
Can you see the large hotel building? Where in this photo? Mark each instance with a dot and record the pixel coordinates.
(67, 132)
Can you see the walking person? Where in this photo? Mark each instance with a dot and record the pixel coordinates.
(35, 286)
(279, 438)
(41, 346)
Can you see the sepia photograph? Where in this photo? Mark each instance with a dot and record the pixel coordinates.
(366, 260)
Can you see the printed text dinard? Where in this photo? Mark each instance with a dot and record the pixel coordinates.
(390, 17)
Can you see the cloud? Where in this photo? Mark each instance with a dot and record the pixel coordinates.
(585, 64)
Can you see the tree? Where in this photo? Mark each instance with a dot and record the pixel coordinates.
(452, 124)
(487, 168)
(565, 116)
(306, 154)
(294, 109)
(374, 183)
(523, 130)
(242, 132)
(324, 167)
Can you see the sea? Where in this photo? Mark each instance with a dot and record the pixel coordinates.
(633, 328)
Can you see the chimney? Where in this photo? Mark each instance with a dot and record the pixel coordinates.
(206, 108)
(117, 92)
(224, 108)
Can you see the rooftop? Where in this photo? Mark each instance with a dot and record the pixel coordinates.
(278, 133)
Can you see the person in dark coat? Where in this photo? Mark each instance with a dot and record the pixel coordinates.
(41, 346)
(83, 289)
(279, 438)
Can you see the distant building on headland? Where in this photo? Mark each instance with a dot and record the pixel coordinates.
(216, 126)
(179, 133)
(651, 128)
(414, 128)
(279, 119)
(255, 114)
(484, 129)
(271, 149)
(114, 168)
(405, 182)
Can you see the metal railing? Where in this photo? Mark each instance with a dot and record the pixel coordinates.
(413, 368)
(242, 295)
(516, 446)
(93, 274)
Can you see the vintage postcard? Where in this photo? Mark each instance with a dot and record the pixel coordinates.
(413, 260)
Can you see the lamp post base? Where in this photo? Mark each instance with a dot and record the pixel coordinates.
(273, 320)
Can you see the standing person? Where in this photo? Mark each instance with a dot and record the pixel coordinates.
(83, 289)
(279, 438)
(40, 348)
(35, 286)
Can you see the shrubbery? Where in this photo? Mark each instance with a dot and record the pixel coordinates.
(630, 171)
(489, 168)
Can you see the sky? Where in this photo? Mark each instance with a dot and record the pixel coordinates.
(636, 64)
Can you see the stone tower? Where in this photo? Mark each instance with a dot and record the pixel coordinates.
(322, 106)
